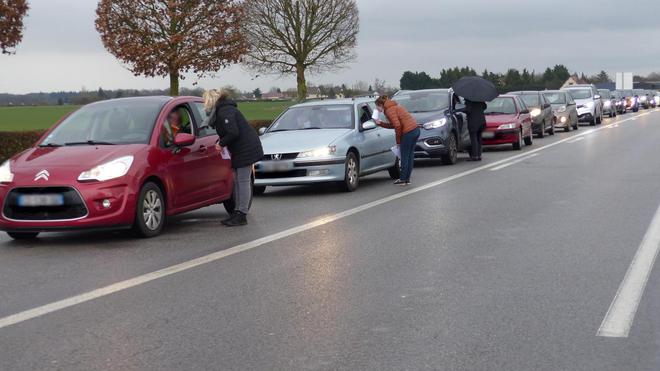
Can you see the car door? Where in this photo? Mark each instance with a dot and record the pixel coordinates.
(461, 121)
(547, 108)
(371, 140)
(185, 166)
(217, 164)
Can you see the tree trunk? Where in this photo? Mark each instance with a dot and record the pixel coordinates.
(302, 83)
(174, 83)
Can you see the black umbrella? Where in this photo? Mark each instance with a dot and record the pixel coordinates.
(476, 89)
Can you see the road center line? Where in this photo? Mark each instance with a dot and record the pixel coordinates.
(168, 271)
(621, 314)
(575, 140)
(514, 162)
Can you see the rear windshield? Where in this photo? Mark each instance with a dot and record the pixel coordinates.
(501, 106)
(315, 117)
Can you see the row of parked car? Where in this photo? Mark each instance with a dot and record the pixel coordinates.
(337, 141)
(112, 164)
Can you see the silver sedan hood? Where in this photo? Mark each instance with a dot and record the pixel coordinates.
(295, 141)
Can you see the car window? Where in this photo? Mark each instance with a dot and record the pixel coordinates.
(364, 113)
(339, 116)
(555, 98)
(581, 93)
(501, 106)
(203, 128)
(114, 122)
(531, 100)
(423, 101)
(521, 105)
(178, 120)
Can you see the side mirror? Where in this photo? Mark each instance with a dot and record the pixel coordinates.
(524, 112)
(596, 96)
(184, 140)
(369, 125)
(262, 131)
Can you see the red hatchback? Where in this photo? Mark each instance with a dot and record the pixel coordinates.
(508, 121)
(123, 163)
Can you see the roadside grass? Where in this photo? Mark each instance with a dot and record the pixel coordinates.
(28, 118)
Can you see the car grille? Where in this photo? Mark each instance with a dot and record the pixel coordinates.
(281, 174)
(73, 208)
(285, 156)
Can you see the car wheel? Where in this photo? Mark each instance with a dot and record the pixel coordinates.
(23, 236)
(552, 128)
(518, 145)
(567, 129)
(452, 156)
(576, 124)
(529, 140)
(593, 121)
(150, 218)
(351, 173)
(395, 171)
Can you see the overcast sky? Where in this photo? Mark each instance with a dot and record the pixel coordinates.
(61, 50)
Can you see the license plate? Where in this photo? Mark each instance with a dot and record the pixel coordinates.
(488, 135)
(40, 200)
(276, 166)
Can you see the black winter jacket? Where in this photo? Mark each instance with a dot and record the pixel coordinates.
(237, 135)
(475, 115)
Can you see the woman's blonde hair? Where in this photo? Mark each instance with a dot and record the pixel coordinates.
(211, 98)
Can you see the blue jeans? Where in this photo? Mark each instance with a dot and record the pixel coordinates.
(407, 147)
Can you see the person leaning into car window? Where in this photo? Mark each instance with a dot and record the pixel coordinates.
(407, 133)
(245, 147)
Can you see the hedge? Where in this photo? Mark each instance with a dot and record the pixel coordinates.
(13, 142)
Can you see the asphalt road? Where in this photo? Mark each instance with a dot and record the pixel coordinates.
(509, 264)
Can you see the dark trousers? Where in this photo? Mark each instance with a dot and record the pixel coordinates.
(476, 143)
(407, 147)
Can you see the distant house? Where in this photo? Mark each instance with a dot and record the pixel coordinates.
(273, 95)
(574, 80)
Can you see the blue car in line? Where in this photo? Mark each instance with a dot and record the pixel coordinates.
(325, 141)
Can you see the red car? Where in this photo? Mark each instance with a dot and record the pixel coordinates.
(508, 121)
(123, 163)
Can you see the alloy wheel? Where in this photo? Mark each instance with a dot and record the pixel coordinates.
(351, 171)
(152, 210)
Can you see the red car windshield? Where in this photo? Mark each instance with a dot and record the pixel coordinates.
(501, 106)
(111, 122)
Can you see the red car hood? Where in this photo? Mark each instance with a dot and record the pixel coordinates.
(497, 120)
(72, 157)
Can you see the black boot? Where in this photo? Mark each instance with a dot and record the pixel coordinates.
(231, 216)
(237, 220)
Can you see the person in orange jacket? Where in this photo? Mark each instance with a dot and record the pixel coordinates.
(407, 134)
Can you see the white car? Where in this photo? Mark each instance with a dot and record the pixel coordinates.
(589, 103)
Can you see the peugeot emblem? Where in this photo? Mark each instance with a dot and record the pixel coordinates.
(277, 156)
(43, 175)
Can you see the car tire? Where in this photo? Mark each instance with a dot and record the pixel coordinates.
(23, 236)
(552, 128)
(567, 129)
(529, 140)
(542, 132)
(452, 156)
(576, 125)
(150, 211)
(395, 171)
(518, 145)
(593, 121)
(351, 173)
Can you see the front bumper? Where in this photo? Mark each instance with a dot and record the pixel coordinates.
(562, 119)
(120, 213)
(431, 147)
(500, 137)
(299, 172)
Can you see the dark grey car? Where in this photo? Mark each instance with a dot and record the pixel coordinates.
(443, 130)
(543, 119)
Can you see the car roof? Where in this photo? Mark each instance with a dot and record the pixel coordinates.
(330, 102)
(554, 91)
(580, 86)
(444, 90)
(523, 92)
(508, 96)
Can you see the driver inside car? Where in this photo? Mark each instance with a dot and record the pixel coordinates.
(171, 128)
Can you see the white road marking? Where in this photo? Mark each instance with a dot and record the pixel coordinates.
(575, 140)
(620, 316)
(514, 162)
(161, 273)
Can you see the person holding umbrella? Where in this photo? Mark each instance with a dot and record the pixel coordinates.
(476, 92)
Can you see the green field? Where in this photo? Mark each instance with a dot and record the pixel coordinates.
(42, 117)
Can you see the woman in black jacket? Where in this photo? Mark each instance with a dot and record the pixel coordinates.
(476, 124)
(245, 148)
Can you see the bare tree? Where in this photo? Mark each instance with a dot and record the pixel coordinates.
(12, 13)
(172, 37)
(292, 37)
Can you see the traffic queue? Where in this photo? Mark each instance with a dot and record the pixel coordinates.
(131, 163)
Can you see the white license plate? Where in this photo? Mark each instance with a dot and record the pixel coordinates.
(488, 135)
(276, 166)
(40, 200)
